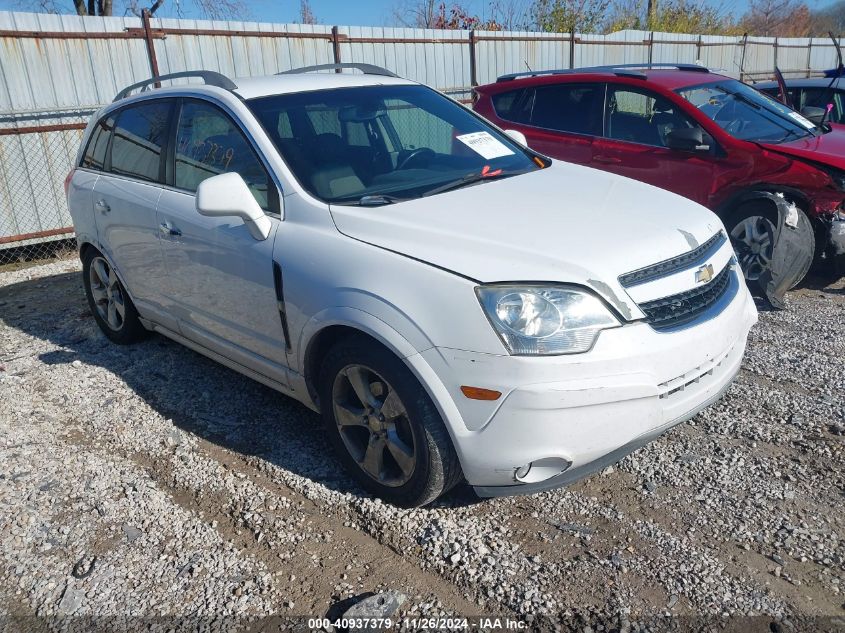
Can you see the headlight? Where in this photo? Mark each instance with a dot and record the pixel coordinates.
(545, 320)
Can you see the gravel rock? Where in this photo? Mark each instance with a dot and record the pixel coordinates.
(203, 493)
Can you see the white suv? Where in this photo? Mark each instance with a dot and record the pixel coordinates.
(452, 303)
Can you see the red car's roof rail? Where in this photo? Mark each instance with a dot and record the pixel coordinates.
(628, 70)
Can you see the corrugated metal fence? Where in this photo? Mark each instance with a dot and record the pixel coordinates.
(55, 70)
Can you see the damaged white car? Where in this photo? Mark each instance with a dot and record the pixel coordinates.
(455, 306)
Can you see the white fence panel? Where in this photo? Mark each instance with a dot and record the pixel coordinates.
(56, 70)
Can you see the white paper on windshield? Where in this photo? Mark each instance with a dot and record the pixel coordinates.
(807, 124)
(484, 144)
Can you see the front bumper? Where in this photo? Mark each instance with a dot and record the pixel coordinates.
(585, 410)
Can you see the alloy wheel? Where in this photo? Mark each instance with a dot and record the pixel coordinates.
(107, 293)
(373, 424)
(753, 240)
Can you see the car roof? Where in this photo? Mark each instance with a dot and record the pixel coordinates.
(252, 87)
(671, 79)
(309, 78)
(804, 82)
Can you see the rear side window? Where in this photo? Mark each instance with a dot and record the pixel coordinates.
(575, 108)
(139, 137)
(514, 105)
(208, 143)
(95, 153)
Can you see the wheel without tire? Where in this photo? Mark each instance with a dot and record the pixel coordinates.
(384, 426)
(110, 304)
(752, 229)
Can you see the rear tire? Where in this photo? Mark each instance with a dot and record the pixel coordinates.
(384, 426)
(109, 302)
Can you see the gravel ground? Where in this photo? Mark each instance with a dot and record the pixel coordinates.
(149, 481)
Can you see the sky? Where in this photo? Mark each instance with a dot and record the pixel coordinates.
(343, 12)
(380, 12)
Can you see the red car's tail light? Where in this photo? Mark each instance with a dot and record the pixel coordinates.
(68, 178)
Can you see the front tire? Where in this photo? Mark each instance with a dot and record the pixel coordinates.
(751, 228)
(109, 302)
(384, 426)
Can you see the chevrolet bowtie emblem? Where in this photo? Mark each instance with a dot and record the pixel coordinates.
(704, 274)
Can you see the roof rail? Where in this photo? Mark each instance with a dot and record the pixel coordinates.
(367, 69)
(618, 69)
(210, 77)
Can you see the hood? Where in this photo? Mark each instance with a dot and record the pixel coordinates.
(827, 148)
(566, 223)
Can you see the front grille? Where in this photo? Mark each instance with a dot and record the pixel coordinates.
(674, 264)
(683, 307)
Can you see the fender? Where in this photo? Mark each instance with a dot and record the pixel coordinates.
(383, 332)
(357, 319)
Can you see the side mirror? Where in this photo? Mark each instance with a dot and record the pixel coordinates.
(519, 137)
(687, 140)
(227, 195)
(814, 115)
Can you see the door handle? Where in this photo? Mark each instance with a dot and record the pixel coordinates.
(607, 160)
(103, 206)
(168, 230)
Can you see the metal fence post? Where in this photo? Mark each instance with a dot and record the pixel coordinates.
(572, 47)
(473, 77)
(650, 48)
(776, 52)
(151, 49)
(742, 58)
(809, 56)
(336, 47)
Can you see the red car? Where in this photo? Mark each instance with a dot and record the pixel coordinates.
(702, 135)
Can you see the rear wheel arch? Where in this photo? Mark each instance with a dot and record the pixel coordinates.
(87, 246)
(84, 247)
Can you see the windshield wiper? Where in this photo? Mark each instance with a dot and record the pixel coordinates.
(469, 179)
(378, 200)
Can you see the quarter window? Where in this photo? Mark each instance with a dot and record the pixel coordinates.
(139, 136)
(208, 143)
(641, 117)
(514, 105)
(95, 153)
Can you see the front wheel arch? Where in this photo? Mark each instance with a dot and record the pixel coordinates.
(789, 249)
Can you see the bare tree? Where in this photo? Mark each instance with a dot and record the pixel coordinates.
(785, 18)
(437, 14)
(830, 19)
(416, 13)
(306, 15)
(213, 9)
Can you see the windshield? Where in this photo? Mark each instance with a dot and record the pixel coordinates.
(383, 144)
(747, 114)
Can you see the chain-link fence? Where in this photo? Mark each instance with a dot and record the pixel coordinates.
(37, 150)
